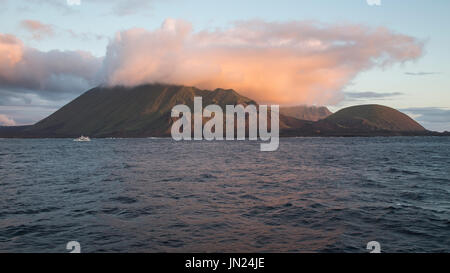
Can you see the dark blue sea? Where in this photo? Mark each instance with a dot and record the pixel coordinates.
(158, 195)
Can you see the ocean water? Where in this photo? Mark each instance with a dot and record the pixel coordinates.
(157, 195)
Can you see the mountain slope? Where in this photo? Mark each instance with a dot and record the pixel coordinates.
(363, 120)
(133, 112)
(304, 112)
(374, 117)
(145, 111)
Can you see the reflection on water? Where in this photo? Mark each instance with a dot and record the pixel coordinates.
(156, 195)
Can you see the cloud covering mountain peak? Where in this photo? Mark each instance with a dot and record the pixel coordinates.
(295, 62)
(291, 62)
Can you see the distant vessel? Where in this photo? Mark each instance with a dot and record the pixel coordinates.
(82, 139)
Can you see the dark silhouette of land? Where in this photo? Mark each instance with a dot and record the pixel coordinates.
(145, 111)
(306, 112)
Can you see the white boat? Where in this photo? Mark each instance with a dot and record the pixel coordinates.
(82, 139)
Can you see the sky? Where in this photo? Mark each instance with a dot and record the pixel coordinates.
(321, 52)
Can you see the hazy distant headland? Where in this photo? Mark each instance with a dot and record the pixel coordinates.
(145, 111)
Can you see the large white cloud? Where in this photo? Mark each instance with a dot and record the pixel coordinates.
(287, 63)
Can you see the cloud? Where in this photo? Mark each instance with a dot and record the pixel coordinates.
(13, 98)
(373, 2)
(61, 5)
(41, 30)
(6, 121)
(287, 63)
(129, 7)
(48, 73)
(118, 7)
(4, 5)
(432, 118)
(29, 114)
(84, 36)
(430, 114)
(421, 73)
(371, 95)
(73, 2)
(38, 29)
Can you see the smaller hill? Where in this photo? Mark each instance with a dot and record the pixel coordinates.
(374, 117)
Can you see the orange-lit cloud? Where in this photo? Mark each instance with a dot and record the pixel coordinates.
(38, 30)
(10, 52)
(286, 63)
(6, 121)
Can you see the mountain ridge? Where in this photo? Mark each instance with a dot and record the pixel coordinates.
(130, 111)
(305, 112)
(376, 116)
(144, 111)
